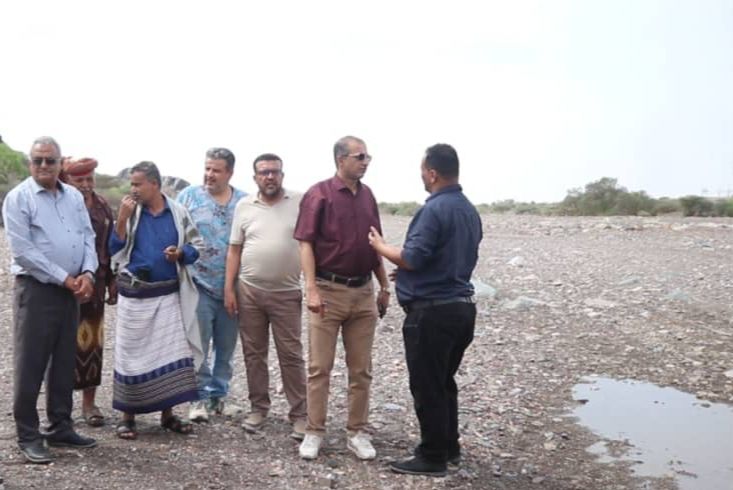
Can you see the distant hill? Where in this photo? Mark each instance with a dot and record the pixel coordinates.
(13, 168)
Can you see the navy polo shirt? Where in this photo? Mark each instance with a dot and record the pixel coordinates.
(441, 248)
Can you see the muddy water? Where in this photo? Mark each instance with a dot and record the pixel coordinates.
(666, 432)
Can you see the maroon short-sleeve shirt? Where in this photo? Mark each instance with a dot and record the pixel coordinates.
(336, 221)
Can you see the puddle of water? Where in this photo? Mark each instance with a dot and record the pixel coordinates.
(668, 432)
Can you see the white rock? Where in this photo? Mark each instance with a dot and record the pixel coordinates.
(516, 261)
(599, 303)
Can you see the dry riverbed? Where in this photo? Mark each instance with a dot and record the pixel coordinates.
(559, 299)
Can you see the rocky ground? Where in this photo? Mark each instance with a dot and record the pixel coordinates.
(559, 298)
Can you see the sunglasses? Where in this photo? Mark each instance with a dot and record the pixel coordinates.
(49, 161)
(267, 173)
(361, 156)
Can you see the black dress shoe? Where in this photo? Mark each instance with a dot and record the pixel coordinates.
(418, 466)
(36, 452)
(71, 439)
(454, 459)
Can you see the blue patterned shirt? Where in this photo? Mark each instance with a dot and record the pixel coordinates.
(214, 222)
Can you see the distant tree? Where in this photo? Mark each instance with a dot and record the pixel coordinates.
(696, 206)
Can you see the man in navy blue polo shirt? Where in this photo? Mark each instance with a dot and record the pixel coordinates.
(433, 287)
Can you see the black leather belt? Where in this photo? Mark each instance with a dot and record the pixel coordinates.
(349, 282)
(427, 303)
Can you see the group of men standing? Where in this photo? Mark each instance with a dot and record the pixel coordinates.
(193, 273)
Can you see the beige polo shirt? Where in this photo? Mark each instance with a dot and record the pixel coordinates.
(270, 255)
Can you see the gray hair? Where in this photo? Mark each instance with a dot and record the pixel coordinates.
(341, 147)
(221, 154)
(47, 140)
(150, 170)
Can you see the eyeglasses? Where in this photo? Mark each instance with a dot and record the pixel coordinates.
(361, 156)
(267, 173)
(49, 161)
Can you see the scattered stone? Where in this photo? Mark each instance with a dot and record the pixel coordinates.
(516, 261)
(678, 295)
(483, 290)
(599, 303)
(629, 281)
(393, 407)
(522, 303)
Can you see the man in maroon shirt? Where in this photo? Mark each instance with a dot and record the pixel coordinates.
(337, 260)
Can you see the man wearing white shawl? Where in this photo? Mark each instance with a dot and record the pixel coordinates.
(157, 339)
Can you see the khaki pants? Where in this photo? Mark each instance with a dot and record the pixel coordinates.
(258, 309)
(354, 312)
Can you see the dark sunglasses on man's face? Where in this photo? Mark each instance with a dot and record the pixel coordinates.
(49, 161)
(360, 156)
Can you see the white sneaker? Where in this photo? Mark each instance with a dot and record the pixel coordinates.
(198, 412)
(361, 446)
(310, 446)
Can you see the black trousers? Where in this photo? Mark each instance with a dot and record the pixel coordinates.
(46, 319)
(435, 340)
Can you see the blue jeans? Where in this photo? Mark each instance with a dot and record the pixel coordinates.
(223, 330)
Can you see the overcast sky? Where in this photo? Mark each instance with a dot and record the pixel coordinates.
(537, 97)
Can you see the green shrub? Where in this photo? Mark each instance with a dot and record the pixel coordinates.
(723, 207)
(665, 205)
(400, 208)
(13, 167)
(633, 204)
(696, 206)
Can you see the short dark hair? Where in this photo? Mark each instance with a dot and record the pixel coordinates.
(266, 157)
(341, 147)
(150, 170)
(221, 154)
(443, 159)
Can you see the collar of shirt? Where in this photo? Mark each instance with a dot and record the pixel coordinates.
(166, 207)
(445, 190)
(37, 188)
(255, 198)
(339, 184)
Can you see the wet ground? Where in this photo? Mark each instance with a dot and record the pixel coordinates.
(663, 432)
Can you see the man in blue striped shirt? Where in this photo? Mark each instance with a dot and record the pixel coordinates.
(53, 260)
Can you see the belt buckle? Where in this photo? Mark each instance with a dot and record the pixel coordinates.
(348, 281)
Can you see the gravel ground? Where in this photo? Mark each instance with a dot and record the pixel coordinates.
(560, 298)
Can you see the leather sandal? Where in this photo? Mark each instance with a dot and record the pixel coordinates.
(175, 424)
(126, 430)
(93, 417)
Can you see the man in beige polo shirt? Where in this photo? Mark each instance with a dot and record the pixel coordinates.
(263, 288)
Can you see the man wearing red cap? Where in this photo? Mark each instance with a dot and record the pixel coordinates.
(90, 335)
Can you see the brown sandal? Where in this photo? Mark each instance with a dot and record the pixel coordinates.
(126, 430)
(175, 424)
(93, 417)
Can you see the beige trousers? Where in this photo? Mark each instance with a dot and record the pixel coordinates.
(258, 311)
(353, 311)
